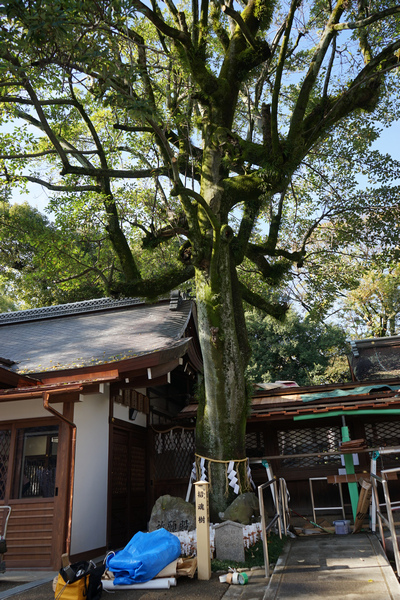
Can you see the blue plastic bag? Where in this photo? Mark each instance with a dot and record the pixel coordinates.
(144, 557)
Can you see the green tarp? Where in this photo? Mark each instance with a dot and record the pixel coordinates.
(364, 389)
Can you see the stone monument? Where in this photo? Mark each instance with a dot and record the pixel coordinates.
(229, 543)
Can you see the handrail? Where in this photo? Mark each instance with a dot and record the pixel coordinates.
(4, 532)
(284, 507)
(381, 450)
(389, 522)
(276, 518)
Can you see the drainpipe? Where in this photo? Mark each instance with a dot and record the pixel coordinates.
(72, 426)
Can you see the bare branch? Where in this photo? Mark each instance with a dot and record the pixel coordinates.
(56, 188)
(368, 20)
(112, 173)
(43, 153)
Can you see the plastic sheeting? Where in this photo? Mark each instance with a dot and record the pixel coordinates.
(363, 389)
(144, 557)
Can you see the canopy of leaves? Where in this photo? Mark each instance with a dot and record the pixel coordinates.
(372, 309)
(44, 262)
(44, 265)
(299, 350)
(125, 111)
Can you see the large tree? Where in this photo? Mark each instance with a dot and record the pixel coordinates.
(244, 123)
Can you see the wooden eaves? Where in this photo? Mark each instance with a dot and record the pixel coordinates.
(67, 384)
(286, 403)
(12, 379)
(125, 368)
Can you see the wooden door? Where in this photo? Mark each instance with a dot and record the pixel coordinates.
(128, 489)
(34, 482)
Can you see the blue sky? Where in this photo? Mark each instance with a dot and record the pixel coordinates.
(388, 143)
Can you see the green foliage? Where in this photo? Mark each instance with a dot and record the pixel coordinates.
(373, 307)
(68, 260)
(43, 265)
(7, 303)
(299, 350)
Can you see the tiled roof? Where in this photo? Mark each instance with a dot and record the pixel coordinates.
(375, 358)
(89, 333)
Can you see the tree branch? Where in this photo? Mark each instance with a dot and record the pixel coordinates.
(27, 101)
(367, 20)
(276, 310)
(112, 173)
(362, 93)
(296, 121)
(43, 153)
(278, 79)
(57, 188)
(61, 141)
(242, 25)
(171, 32)
(152, 288)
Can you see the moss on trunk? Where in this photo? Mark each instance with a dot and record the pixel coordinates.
(221, 420)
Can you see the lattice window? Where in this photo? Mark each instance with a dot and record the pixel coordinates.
(306, 441)
(36, 462)
(385, 433)
(174, 453)
(5, 440)
(255, 444)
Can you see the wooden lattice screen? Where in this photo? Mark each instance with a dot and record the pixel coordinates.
(173, 453)
(5, 440)
(309, 440)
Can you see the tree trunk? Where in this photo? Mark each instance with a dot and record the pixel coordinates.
(222, 412)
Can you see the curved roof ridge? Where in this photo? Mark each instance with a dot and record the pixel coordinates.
(62, 310)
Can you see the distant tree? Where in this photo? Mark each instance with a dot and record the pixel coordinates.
(6, 302)
(44, 264)
(372, 309)
(68, 259)
(357, 285)
(300, 350)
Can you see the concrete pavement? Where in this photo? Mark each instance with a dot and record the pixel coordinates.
(328, 567)
(333, 567)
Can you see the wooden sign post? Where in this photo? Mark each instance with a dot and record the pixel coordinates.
(203, 530)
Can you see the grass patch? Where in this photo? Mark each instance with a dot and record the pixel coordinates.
(253, 556)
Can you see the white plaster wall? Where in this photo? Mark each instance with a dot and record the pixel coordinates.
(25, 409)
(122, 412)
(89, 513)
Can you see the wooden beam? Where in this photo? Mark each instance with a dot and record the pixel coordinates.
(138, 382)
(9, 378)
(56, 394)
(99, 376)
(128, 365)
(351, 478)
